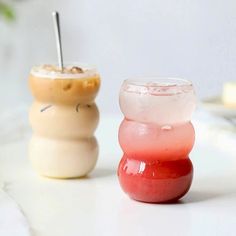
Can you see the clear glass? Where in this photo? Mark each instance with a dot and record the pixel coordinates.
(156, 129)
(158, 100)
(63, 117)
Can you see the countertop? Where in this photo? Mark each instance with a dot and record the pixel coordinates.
(96, 205)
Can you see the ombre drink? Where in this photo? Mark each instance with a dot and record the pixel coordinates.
(63, 117)
(156, 137)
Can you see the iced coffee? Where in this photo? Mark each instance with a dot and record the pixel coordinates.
(64, 118)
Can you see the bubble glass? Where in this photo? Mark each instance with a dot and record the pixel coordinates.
(156, 137)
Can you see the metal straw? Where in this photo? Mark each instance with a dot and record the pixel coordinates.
(56, 23)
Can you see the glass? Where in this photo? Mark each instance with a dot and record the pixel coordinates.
(156, 137)
(64, 117)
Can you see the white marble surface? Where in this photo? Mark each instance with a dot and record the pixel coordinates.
(12, 219)
(96, 205)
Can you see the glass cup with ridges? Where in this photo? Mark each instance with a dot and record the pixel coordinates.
(64, 117)
(156, 137)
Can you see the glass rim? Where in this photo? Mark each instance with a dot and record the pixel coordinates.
(158, 82)
(38, 70)
(66, 63)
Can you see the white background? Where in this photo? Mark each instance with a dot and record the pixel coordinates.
(194, 39)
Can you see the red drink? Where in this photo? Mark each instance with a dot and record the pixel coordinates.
(156, 137)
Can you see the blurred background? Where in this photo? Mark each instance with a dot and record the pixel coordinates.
(193, 39)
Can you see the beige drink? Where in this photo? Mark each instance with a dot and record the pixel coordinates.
(64, 118)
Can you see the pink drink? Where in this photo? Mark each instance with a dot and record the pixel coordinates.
(156, 137)
(168, 142)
